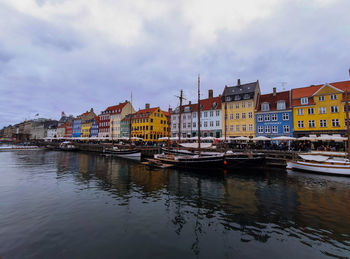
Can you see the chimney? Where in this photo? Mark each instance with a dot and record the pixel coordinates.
(189, 103)
(210, 93)
(147, 106)
(239, 82)
(274, 91)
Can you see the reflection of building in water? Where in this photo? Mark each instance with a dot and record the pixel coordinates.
(83, 163)
(324, 204)
(240, 196)
(148, 180)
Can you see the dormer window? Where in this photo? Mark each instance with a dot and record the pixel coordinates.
(215, 105)
(304, 100)
(237, 97)
(246, 96)
(265, 107)
(281, 105)
(228, 98)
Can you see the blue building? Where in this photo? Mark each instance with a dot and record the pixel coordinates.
(76, 128)
(94, 128)
(274, 116)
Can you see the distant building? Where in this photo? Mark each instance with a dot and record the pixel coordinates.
(274, 116)
(68, 130)
(125, 126)
(87, 119)
(94, 127)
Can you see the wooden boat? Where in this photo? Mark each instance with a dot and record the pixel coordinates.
(244, 159)
(124, 152)
(67, 146)
(320, 164)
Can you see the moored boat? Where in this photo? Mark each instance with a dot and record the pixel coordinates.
(67, 146)
(17, 148)
(124, 152)
(244, 159)
(321, 164)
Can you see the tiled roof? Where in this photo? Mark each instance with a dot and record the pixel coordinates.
(116, 108)
(142, 113)
(272, 100)
(298, 93)
(207, 104)
(240, 89)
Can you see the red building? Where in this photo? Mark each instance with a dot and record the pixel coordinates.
(69, 129)
(105, 118)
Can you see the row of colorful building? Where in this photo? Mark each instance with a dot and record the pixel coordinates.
(240, 110)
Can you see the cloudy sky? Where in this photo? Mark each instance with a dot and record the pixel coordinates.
(71, 55)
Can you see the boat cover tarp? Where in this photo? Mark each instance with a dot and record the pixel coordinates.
(317, 158)
(195, 145)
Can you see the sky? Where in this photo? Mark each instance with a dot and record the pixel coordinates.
(73, 55)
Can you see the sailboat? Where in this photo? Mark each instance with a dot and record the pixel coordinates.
(196, 161)
(327, 163)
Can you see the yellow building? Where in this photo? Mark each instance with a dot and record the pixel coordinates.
(150, 124)
(239, 102)
(86, 123)
(319, 109)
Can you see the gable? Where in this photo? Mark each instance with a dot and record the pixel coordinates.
(327, 89)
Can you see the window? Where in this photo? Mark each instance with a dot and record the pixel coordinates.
(194, 115)
(333, 97)
(321, 98)
(312, 124)
(250, 115)
(260, 129)
(249, 104)
(211, 123)
(300, 124)
(345, 121)
(274, 129)
(243, 104)
(267, 129)
(151, 127)
(267, 117)
(246, 96)
(285, 116)
(194, 124)
(205, 114)
(228, 98)
(211, 113)
(310, 110)
(274, 117)
(286, 129)
(260, 118)
(300, 112)
(281, 105)
(231, 127)
(237, 116)
(265, 106)
(250, 127)
(205, 124)
(237, 98)
(217, 113)
(243, 115)
(184, 125)
(244, 128)
(304, 100)
(335, 123)
(231, 116)
(334, 109)
(237, 128)
(189, 125)
(323, 123)
(237, 105)
(231, 106)
(322, 110)
(217, 123)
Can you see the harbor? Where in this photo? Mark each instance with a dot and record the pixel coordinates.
(76, 204)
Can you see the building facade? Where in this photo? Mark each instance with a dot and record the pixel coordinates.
(150, 124)
(94, 127)
(118, 113)
(125, 126)
(238, 104)
(320, 109)
(186, 121)
(68, 129)
(274, 116)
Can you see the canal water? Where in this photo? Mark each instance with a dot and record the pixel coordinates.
(79, 205)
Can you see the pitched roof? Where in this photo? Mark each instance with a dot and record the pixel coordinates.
(240, 89)
(309, 91)
(273, 99)
(142, 113)
(116, 108)
(208, 104)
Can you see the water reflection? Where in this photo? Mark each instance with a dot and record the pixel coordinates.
(310, 213)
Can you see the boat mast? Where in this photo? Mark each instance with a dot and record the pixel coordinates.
(169, 127)
(347, 117)
(180, 115)
(199, 119)
(225, 118)
(130, 117)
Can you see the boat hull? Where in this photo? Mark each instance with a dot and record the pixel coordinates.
(125, 153)
(244, 161)
(320, 168)
(195, 162)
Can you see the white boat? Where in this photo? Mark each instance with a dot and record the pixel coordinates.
(67, 146)
(124, 152)
(321, 164)
(15, 148)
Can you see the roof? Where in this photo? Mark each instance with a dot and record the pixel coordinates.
(309, 91)
(117, 108)
(207, 104)
(240, 89)
(273, 99)
(142, 113)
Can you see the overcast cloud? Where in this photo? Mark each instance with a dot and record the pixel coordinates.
(65, 55)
